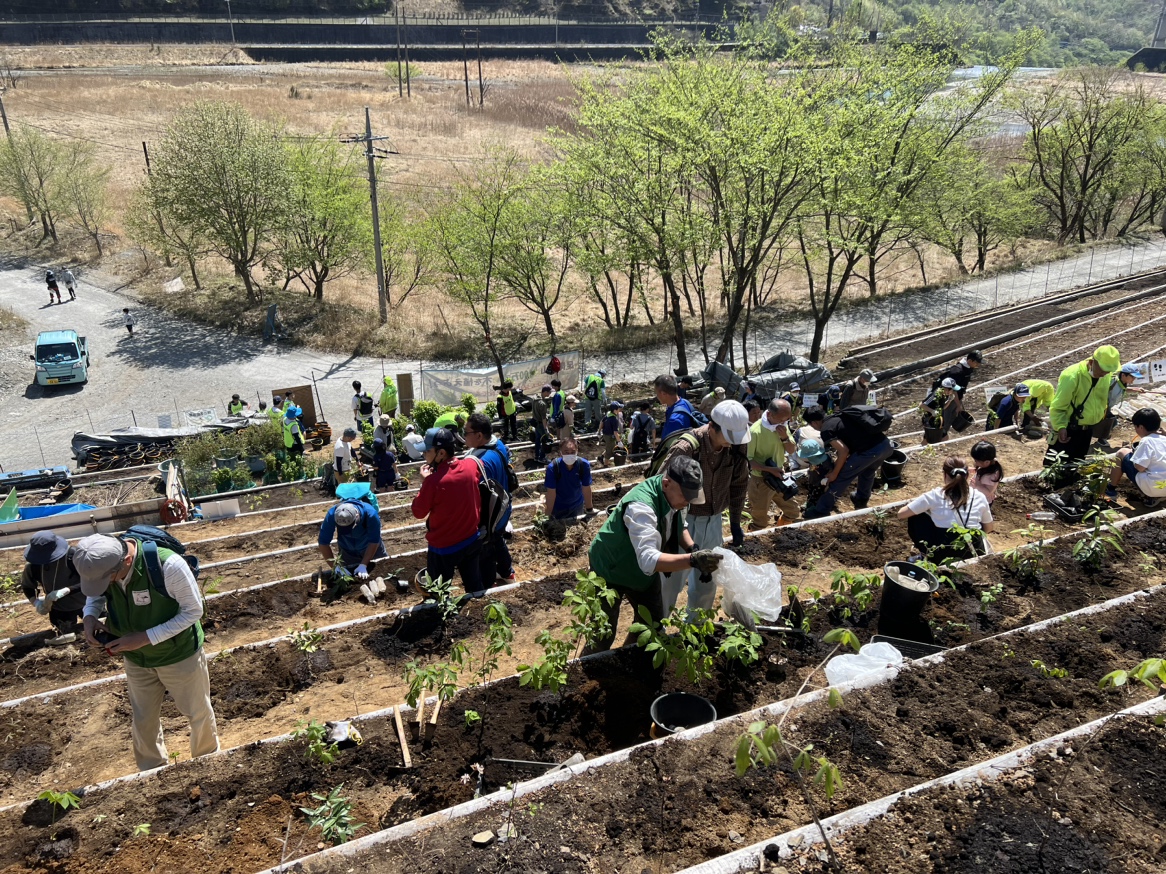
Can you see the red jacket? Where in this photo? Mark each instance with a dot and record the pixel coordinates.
(449, 497)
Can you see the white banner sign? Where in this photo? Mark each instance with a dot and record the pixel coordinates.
(200, 417)
(1158, 371)
(448, 386)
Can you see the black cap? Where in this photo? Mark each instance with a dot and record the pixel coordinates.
(686, 472)
(45, 547)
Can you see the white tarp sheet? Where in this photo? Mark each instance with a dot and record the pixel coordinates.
(448, 386)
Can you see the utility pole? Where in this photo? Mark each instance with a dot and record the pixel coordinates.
(158, 215)
(400, 77)
(405, 38)
(371, 153)
(8, 133)
(481, 84)
(231, 20)
(466, 67)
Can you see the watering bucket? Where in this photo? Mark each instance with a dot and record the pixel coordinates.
(893, 466)
(962, 420)
(677, 711)
(906, 588)
(933, 435)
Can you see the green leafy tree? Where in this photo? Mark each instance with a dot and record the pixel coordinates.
(327, 232)
(468, 237)
(31, 168)
(223, 178)
(84, 190)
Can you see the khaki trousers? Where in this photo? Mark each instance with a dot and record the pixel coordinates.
(760, 496)
(189, 684)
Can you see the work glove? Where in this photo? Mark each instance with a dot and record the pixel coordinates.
(45, 604)
(706, 561)
(361, 572)
(738, 534)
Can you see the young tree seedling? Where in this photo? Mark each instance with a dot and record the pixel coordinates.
(316, 735)
(61, 801)
(333, 817)
(1092, 549)
(306, 639)
(1047, 672)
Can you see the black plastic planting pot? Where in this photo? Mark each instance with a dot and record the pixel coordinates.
(893, 466)
(677, 711)
(906, 590)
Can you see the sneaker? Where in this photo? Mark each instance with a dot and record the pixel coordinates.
(784, 521)
(1111, 493)
(509, 578)
(1103, 444)
(1150, 503)
(858, 505)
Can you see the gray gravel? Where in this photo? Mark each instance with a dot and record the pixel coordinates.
(171, 365)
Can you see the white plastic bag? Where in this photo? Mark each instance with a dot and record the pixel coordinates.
(748, 588)
(872, 657)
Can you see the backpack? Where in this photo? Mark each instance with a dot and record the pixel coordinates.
(495, 501)
(511, 477)
(554, 365)
(996, 400)
(868, 424)
(366, 403)
(151, 540)
(695, 416)
(656, 465)
(592, 389)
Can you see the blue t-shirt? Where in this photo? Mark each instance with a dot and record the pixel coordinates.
(610, 426)
(568, 483)
(1006, 409)
(495, 464)
(356, 539)
(677, 417)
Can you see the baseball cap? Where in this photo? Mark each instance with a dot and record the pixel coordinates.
(571, 399)
(615, 405)
(794, 388)
(385, 420)
(410, 428)
(1134, 370)
(1107, 358)
(602, 372)
(733, 419)
(868, 376)
(347, 515)
(45, 547)
(440, 438)
(278, 399)
(948, 382)
(1022, 390)
(686, 472)
(96, 557)
(812, 451)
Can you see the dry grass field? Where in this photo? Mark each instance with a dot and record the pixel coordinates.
(121, 96)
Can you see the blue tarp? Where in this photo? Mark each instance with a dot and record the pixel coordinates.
(56, 509)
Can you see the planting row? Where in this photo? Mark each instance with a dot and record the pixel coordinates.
(666, 806)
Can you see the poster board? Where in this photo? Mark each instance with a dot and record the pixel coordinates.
(305, 399)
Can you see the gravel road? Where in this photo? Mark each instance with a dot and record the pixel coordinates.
(170, 365)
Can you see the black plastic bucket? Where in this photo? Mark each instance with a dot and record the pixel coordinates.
(906, 589)
(677, 711)
(962, 420)
(893, 466)
(933, 435)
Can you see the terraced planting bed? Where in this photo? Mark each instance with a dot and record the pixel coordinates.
(260, 693)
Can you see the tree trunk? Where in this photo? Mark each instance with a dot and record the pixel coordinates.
(319, 277)
(550, 326)
(193, 272)
(602, 302)
(677, 323)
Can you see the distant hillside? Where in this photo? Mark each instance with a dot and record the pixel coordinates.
(1080, 31)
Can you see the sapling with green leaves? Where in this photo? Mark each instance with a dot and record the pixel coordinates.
(589, 623)
(990, 595)
(318, 748)
(853, 592)
(333, 817)
(739, 644)
(61, 801)
(440, 592)
(1148, 673)
(439, 677)
(1094, 472)
(306, 639)
(1028, 560)
(1091, 550)
(764, 743)
(681, 639)
(1049, 673)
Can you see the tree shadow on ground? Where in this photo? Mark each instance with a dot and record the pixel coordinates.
(160, 341)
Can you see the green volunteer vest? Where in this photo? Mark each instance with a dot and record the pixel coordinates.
(446, 420)
(235, 407)
(289, 439)
(150, 607)
(612, 555)
(388, 399)
(508, 404)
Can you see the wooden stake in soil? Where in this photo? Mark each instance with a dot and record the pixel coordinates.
(401, 736)
(432, 726)
(419, 720)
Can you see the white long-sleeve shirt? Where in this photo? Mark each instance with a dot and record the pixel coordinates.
(640, 521)
(180, 585)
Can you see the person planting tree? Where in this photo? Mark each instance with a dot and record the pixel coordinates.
(645, 538)
(450, 501)
(857, 437)
(50, 580)
(356, 525)
(1079, 404)
(934, 519)
(1121, 386)
(1145, 463)
(154, 607)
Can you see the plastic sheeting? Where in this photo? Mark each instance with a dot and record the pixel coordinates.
(83, 442)
(54, 510)
(774, 378)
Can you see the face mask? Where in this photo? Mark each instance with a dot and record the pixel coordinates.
(569, 459)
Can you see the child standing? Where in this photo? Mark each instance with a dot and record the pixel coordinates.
(128, 320)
